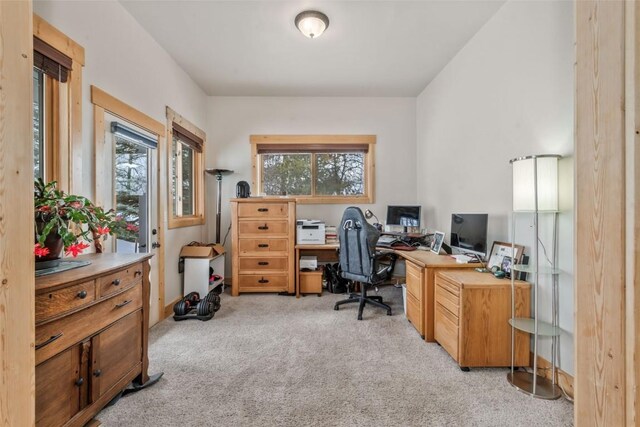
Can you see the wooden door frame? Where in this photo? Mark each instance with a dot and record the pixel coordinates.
(105, 103)
(607, 219)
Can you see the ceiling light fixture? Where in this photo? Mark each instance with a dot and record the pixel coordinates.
(312, 23)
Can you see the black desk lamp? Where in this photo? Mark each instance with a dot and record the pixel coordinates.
(368, 214)
(218, 173)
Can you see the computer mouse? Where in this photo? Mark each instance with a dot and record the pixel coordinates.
(500, 274)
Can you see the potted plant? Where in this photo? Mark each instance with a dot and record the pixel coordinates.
(69, 222)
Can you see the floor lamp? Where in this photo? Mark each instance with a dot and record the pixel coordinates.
(219, 173)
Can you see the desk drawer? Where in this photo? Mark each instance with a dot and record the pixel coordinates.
(413, 313)
(446, 331)
(51, 304)
(263, 210)
(263, 264)
(414, 280)
(448, 300)
(446, 284)
(115, 282)
(267, 227)
(258, 282)
(73, 328)
(263, 245)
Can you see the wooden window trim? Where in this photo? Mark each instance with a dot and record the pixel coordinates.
(65, 125)
(177, 123)
(319, 141)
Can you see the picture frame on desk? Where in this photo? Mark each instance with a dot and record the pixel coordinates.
(503, 255)
(438, 240)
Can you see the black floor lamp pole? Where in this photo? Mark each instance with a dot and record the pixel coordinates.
(219, 173)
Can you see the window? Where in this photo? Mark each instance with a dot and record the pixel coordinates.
(186, 168)
(315, 169)
(57, 107)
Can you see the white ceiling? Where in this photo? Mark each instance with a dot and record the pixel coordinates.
(371, 48)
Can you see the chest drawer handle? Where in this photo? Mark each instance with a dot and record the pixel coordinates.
(97, 373)
(82, 294)
(79, 381)
(263, 227)
(263, 210)
(263, 280)
(49, 341)
(263, 245)
(122, 304)
(263, 263)
(116, 282)
(137, 273)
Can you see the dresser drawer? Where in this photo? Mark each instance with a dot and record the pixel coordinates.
(263, 245)
(257, 282)
(446, 331)
(447, 299)
(263, 264)
(267, 227)
(263, 210)
(115, 282)
(414, 280)
(60, 301)
(53, 337)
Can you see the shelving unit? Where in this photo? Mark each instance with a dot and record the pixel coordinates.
(196, 274)
(535, 194)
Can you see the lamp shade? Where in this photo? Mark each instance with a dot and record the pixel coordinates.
(540, 170)
(312, 23)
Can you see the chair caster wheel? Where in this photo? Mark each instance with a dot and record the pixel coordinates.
(464, 369)
(336, 308)
(388, 313)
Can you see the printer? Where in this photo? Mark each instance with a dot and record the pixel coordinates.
(309, 232)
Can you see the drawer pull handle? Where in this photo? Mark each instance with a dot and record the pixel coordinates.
(82, 294)
(137, 273)
(263, 227)
(97, 373)
(263, 280)
(263, 210)
(122, 304)
(79, 381)
(263, 245)
(263, 263)
(116, 282)
(49, 341)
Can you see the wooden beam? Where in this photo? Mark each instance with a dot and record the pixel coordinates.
(600, 386)
(17, 288)
(125, 111)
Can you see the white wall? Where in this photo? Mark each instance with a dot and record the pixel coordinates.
(122, 59)
(232, 119)
(507, 93)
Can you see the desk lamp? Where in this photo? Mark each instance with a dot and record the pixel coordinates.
(368, 214)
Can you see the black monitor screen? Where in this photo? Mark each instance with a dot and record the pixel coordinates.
(408, 216)
(469, 232)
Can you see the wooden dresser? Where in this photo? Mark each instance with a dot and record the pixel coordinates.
(92, 327)
(263, 237)
(421, 269)
(472, 311)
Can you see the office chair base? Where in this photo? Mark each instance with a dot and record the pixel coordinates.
(363, 300)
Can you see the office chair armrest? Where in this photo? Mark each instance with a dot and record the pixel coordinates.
(383, 271)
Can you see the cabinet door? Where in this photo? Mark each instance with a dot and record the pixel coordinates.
(115, 353)
(59, 384)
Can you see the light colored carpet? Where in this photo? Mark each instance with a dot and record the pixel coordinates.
(269, 360)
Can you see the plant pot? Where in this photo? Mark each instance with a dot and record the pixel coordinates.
(54, 243)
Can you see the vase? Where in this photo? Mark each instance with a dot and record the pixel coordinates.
(54, 243)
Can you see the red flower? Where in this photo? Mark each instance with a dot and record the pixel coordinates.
(76, 249)
(76, 205)
(102, 230)
(44, 209)
(132, 227)
(39, 251)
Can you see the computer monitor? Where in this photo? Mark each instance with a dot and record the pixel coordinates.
(406, 216)
(469, 233)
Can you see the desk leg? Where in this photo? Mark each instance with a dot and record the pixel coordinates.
(297, 273)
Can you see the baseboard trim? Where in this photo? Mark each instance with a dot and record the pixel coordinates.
(168, 310)
(544, 370)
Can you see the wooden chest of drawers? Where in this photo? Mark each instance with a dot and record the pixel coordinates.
(263, 239)
(471, 318)
(91, 336)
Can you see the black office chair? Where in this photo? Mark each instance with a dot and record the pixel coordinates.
(359, 260)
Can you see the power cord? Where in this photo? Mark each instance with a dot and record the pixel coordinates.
(226, 235)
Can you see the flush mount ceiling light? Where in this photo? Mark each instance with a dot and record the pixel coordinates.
(312, 23)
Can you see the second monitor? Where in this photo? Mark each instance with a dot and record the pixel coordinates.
(405, 216)
(469, 233)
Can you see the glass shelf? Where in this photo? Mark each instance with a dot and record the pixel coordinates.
(528, 325)
(531, 269)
